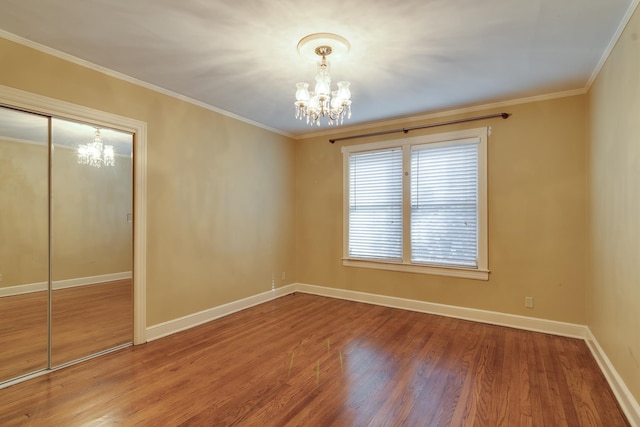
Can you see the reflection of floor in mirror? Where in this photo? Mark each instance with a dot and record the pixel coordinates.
(23, 334)
(89, 319)
(316, 361)
(85, 320)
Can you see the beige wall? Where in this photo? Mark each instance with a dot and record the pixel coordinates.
(220, 192)
(90, 232)
(24, 214)
(614, 226)
(537, 218)
(224, 196)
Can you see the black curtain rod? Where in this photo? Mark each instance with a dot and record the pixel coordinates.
(432, 125)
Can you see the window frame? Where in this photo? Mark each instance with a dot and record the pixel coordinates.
(481, 272)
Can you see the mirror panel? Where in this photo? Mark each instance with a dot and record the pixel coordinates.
(91, 240)
(24, 243)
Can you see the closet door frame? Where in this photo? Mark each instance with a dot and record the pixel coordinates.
(52, 107)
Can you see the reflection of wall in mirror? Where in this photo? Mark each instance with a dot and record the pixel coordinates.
(91, 234)
(24, 219)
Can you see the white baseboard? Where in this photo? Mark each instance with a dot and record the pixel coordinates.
(625, 399)
(91, 280)
(23, 289)
(492, 317)
(62, 284)
(182, 323)
(510, 320)
(627, 402)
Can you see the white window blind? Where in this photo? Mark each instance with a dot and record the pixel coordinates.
(444, 203)
(375, 205)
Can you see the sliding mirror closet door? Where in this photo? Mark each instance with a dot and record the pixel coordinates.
(24, 243)
(91, 240)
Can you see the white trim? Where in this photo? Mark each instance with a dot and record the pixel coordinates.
(54, 107)
(10, 291)
(444, 113)
(477, 136)
(120, 76)
(297, 136)
(571, 330)
(384, 122)
(63, 284)
(612, 44)
(629, 405)
(464, 273)
(140, 234)
(90, 280)
(186, 322)
(625, 398)
(484, 316)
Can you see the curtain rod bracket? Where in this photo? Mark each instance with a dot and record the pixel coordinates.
(432, 125)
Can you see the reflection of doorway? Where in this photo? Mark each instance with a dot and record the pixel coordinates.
(66, 241)
(90, 319)
(24, 254)
(25, 101)
(90, 239)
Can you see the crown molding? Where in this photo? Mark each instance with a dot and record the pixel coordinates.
(121, 76)
(612, 44)
(445, 113)
(307, 135)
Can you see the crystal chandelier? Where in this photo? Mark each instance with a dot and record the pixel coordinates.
(323, 102)
(95, 153)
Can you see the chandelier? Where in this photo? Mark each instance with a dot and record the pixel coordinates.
(95, 153)
(322, 101)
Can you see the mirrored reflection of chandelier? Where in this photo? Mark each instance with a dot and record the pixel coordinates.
(95, 153)
(322, 101)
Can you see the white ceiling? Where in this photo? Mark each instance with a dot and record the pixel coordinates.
(408, 57)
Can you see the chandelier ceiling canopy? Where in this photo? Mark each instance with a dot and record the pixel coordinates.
(323, 101)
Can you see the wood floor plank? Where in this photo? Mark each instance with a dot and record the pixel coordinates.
(24, 334)
(314, 361)
(85, 320)
(89, 319)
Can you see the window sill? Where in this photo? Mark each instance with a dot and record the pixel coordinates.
(465, 273)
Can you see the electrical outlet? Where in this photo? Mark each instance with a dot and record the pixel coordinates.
(284, 275)
(528, 302)
(1, 277)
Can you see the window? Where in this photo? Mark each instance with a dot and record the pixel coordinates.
(418, 204)
(375, 205)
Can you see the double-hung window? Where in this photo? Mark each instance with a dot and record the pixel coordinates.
(418, 204)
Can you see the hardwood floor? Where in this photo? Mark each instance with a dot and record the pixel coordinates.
(85, 320)
(24, 334)
(314, 361)
(89, 319)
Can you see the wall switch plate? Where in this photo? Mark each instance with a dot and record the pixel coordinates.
(528, 302)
